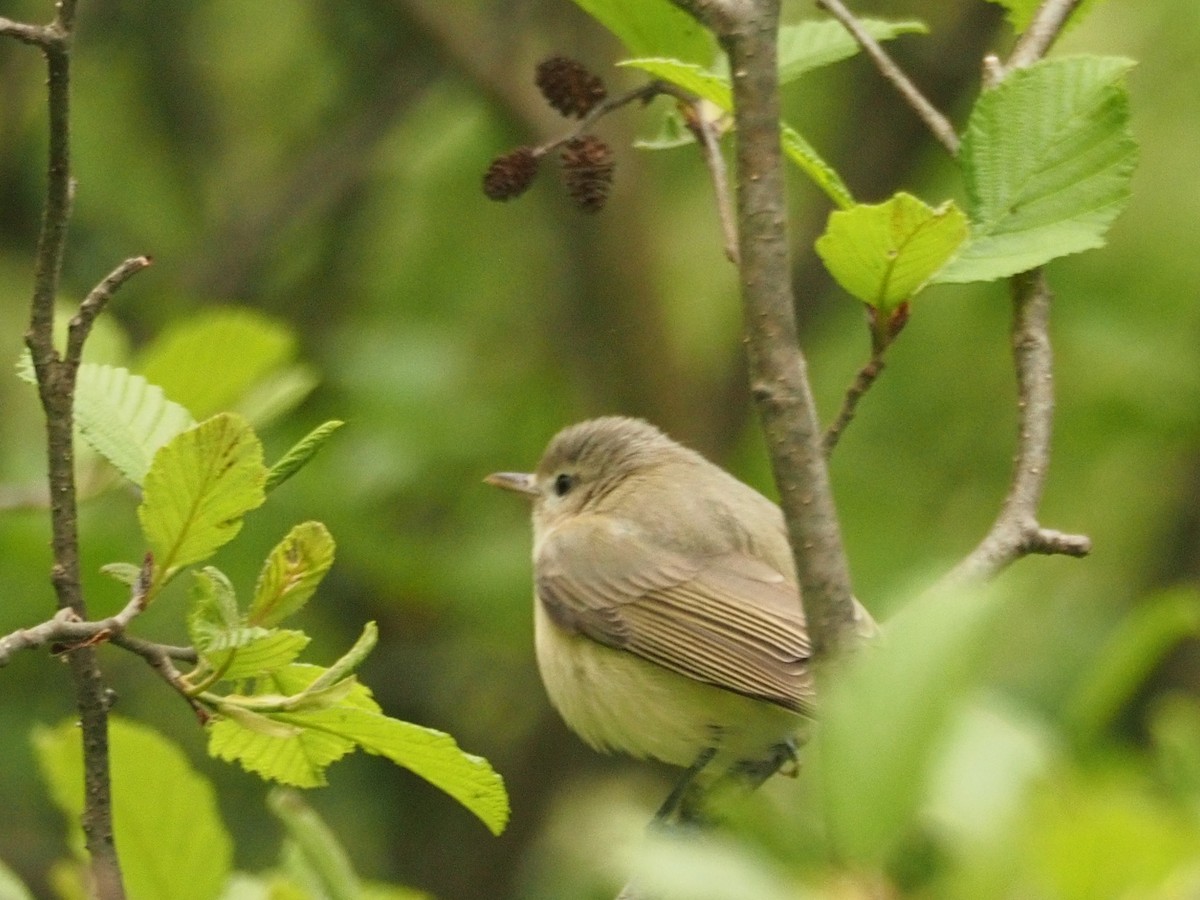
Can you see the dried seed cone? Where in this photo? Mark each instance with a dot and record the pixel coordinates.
(587, 167)
(511, 174)
(568, 86)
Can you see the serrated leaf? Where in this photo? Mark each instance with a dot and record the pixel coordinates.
(300, 453)
(173, 843)
(122, 416)
(275, 748)
(199, 487)
(212, 611)
(823, 175)
(291, 573)
(329, 731)
(884, 253)
(296, 755)
(431, 754)
(209, 361)
(126, 573)
(811, 44)
(715, 88)
(653, 28)
(1048, 159)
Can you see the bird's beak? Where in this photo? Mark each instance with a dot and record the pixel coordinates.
(521, 482)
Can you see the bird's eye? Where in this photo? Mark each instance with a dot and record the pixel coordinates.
(562, 484)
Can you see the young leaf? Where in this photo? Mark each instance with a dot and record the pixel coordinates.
(11, 887)
(210, 361)
(653, 28)
(197, 490)
(884, 253)
(431, 754)
(318, 734)
(1048, 159)
(259, 653)
(122, 416)
(811, 44)
(213, 611)
(326, 858)
(300, 454)
(291, 573)
(173, 842)
(823, 175)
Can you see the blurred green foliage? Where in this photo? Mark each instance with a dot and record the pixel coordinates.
(320, 165)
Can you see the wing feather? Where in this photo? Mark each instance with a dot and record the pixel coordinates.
(728, 620)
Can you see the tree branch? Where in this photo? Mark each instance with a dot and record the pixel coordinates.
(1044, 28)
(937, 123)
(747, 30)
(862, 383)
(56, 389)
(1016, 531)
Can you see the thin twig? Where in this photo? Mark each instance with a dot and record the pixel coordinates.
(1016, 531)
(161, 658)
(56, 389)
(1044, 28)
(937, 123)
(644, 94)
(704, 131)
(861, 384)
(94, 303)
(66, 628)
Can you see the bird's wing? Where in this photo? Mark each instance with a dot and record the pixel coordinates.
(727, 620)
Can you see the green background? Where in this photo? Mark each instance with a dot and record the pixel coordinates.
(321, 162)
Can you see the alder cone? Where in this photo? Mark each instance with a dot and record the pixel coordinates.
(587, 166)
(568, 86)
(511, 174)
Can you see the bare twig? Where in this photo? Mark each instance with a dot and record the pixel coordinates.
(937, 123)
(861, 384)
(1044, 28)
(94, 303)
(643, 94)
(778, 370)
(161, 658)
(66, 628)
(56, 389)
(704, 130)
(1016, 532)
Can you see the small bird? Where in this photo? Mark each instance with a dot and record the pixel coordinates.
(667, 618)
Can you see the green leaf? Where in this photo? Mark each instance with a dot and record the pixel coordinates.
(715, 88)
(1048, 159)
(296, 745)
(122, 416)
(213, 611)
(126, 573)
(172, 841)
(884, 253)
(799, 151)
(1134, 650)
(653, 28)
(886, 713)
(211, 361)
(197, 490)
(811, 44)
(11, 887)
(1020, 12)
(431, 754)
(326, 859)
(300, 454)
(291, 573)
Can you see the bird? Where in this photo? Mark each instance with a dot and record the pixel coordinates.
(667, 617)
